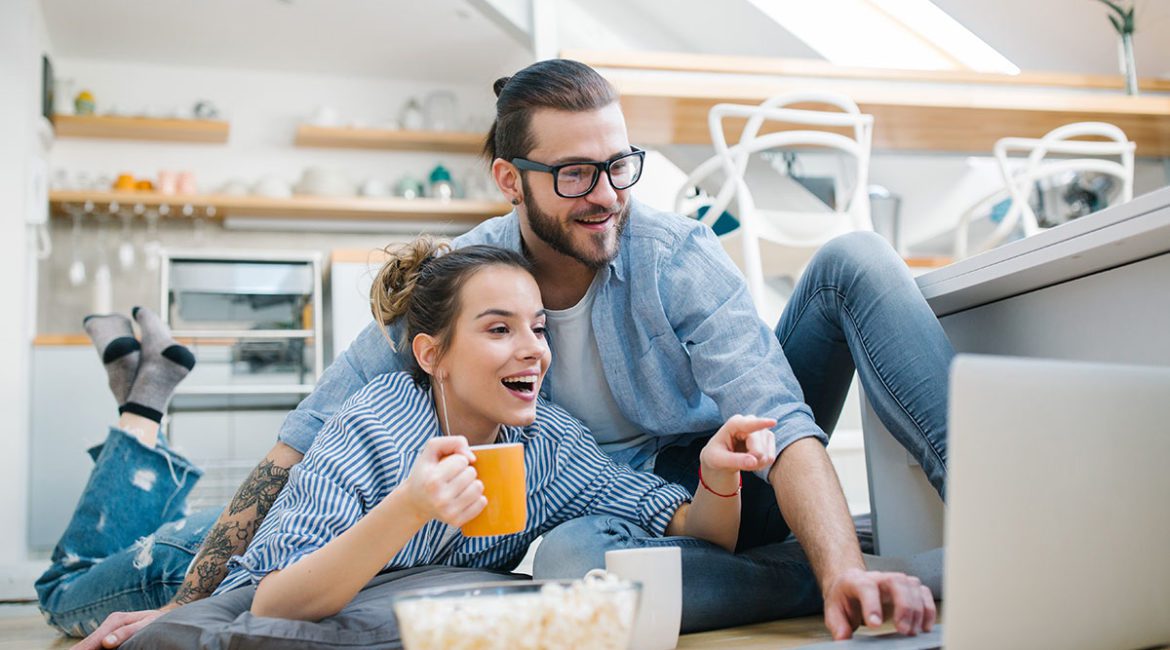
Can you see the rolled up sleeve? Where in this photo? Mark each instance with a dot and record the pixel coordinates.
(734, 355)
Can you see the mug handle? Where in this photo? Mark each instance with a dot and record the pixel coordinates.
(596, 574)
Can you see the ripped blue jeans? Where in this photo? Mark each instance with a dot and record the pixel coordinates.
(130, 540)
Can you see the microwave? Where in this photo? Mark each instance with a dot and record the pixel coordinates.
(253, 319)
(248, 293)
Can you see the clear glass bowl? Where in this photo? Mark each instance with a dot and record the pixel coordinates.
(595, 614)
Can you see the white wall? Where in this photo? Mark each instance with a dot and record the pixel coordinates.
(264, 108)
(22, 41)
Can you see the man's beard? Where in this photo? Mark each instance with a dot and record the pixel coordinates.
(557, 235)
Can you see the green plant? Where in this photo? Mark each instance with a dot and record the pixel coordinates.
(1123, 20)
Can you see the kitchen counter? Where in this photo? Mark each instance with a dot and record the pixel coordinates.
(82, 339)
(1114, 237)
(1093, 289)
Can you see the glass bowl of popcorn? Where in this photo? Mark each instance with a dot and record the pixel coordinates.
(596, 613)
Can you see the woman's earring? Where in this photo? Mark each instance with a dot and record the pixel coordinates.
(443, 400)
(515, 201)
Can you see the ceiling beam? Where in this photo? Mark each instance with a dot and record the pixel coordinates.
(513, 17)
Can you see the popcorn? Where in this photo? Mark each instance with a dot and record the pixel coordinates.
(594, 614)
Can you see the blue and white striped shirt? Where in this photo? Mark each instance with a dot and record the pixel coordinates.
(369, 447)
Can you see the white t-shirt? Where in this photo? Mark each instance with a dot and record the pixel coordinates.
(578, 379)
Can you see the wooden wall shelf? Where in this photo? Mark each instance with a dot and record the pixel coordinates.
(728, 64)
(140, 128)
(302, 207)
(936, 111)
(309, 135)
(75, 339)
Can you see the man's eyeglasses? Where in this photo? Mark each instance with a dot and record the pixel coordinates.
(576, 179)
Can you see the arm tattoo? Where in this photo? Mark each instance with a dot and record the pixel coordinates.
(260, 489)
(233, 531)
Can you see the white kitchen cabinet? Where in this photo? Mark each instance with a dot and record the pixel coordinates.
(72, 409)
(351, 274)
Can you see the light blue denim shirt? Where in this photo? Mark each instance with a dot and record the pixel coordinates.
(681, 343)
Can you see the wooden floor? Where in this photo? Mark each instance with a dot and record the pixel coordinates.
(791, 633)
(21, 627)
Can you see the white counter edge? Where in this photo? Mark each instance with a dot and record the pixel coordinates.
(1112, 237)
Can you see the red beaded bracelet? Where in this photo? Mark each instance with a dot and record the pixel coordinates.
(725, 496)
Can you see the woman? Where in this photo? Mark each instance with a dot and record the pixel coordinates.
(388, 481)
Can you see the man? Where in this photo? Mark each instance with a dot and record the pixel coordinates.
(655, 343)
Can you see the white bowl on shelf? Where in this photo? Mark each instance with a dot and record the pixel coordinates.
(325, 116)
(375, 188)
(272, 187)
(324, 181)
(235, 187)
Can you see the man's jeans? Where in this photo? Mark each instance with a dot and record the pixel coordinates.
(130, 540)
(855, 307)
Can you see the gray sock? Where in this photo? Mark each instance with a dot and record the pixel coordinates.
(164, 364)
(113, 336)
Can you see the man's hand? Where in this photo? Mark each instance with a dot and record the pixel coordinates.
(859, 597)
(810, 497)
(119, 627)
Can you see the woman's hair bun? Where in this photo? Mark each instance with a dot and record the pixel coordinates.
(498, 87)
(395, 282)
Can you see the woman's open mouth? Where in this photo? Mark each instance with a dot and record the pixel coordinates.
(522, 386)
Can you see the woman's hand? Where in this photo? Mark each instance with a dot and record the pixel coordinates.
(443, 485)
(744, 443)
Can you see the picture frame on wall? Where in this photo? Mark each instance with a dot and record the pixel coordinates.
(47, 85)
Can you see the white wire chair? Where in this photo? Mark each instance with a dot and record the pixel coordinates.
(1022, 183)
(805, 230)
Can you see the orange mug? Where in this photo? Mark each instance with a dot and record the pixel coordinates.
(501, 469)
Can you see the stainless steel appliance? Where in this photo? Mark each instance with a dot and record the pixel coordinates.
(254, 321)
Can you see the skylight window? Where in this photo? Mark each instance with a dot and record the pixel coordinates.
(908, 34)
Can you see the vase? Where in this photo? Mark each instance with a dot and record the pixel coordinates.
(1128, 67)
(63, 96)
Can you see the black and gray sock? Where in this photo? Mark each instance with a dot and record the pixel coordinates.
(113, 336)
(164, 364)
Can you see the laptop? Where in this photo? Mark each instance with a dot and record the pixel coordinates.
(1058, 517)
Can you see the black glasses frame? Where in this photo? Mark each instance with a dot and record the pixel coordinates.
(555, 170)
